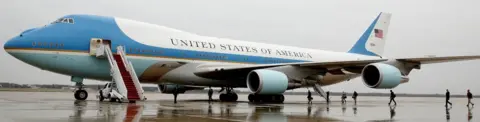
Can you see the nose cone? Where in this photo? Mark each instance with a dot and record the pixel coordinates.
(20, 41)
(8, 45)
(14, 48)
(16, 43)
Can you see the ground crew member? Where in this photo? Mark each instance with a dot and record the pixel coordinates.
(309, 97)
(469, 96)
(210, 92)
(447, 98)
(328, 96)
(344, 97)
(175, 93)
(355, 96)
(392, 97)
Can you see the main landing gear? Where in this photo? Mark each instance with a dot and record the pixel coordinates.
(80, 93)
(259, 98)
(229, 96)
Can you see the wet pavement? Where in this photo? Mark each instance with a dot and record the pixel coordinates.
(60, 107)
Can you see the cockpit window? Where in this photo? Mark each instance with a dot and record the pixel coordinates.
(63, 20)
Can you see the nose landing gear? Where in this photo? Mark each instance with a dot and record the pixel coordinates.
(80, 92)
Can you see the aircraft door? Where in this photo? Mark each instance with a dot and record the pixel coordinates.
(96, 46)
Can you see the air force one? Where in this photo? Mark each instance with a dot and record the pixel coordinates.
(127, 52)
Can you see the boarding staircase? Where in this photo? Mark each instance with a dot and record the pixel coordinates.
(128, 88)
(317, 87)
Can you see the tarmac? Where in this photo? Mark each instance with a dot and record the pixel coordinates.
(61, 107)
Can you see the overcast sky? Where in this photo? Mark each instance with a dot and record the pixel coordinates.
(418, 28)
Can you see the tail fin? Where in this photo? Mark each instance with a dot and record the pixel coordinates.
(372, 41)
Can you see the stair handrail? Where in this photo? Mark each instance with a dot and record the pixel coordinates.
(138, 86)
(115, 72)
(131, 70)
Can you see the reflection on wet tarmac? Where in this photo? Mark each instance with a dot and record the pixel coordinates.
(110, 112)
(354, 109)
(447, 112)
(132, 112)
(59, 109)
(187, 111)
(79, 109)
(470, 116)
(392, 111)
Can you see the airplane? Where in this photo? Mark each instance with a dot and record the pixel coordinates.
(83, 46)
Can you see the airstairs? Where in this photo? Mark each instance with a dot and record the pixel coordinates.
(317, 87)
(127, 87)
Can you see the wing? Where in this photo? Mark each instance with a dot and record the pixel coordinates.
(433, 59)
(229, 72)
(236, 71)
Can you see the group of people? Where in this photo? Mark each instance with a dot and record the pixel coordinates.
(469, 97)
(344, 97)
(392, 98)
(354, 96)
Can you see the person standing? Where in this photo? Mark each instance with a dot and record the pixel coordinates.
(328, 96)
(355, 94)
(309, 97)
(175, 93)
(470, 97)
(344, 97)
(210, 93)
(447, 98)
(392, 97)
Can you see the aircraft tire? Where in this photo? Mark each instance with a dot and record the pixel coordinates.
(278, 98)
(222, 97)
(233, 97)
(251, 97)
(282, 99)
(81, 95)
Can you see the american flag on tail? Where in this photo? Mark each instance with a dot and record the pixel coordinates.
(378, 33)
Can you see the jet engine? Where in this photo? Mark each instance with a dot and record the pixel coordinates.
(379, 75)
(169, 88)
(263, 81)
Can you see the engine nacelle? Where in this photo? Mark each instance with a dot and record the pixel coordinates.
(379, 75)
(265, 81)
(169, 88)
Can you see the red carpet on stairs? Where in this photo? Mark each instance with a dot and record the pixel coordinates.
(132, 93)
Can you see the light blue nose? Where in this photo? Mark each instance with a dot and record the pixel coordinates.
(9, 44)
